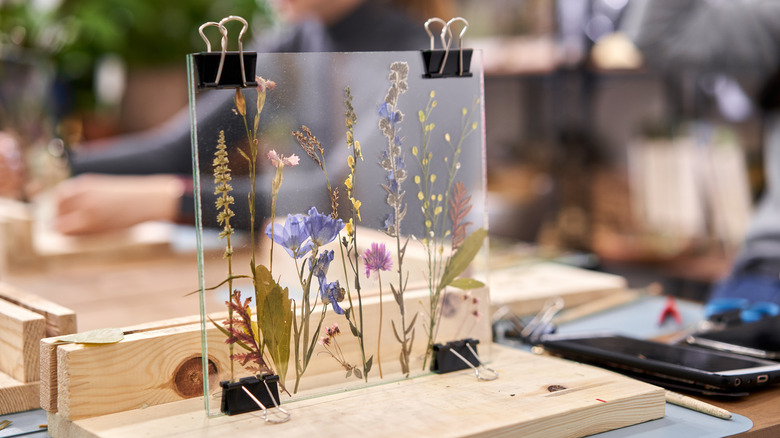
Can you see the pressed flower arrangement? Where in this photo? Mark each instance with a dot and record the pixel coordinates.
(363, 251)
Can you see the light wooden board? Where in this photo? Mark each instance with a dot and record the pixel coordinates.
(20, 331)
(524, 289)
(518, 403)
(16, 396)
(59, 320)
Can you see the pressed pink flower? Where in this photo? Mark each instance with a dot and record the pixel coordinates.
(377, 258)
(263, 85)
(280, 160)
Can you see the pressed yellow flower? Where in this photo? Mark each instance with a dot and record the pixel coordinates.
(348, 182)
(464, 111)
(433, 178)
(420, 196)
(414, 150)
(421, 116)
(437, 211)
(350, 227)
(433, 104)
(439, 198)
(433, 94)
(417, 179)
(351, 162)
(447, 137)
(358, 152)
(474, 125)
(356, 205)
(428, 224)
(350, 139)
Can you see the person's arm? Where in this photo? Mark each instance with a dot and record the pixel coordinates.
(146, 176)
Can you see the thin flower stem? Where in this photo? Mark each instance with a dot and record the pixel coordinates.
(379, 335)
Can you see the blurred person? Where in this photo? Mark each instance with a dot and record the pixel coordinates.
(148, 176)
(727, 36)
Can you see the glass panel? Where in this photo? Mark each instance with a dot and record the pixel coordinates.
(352, 154)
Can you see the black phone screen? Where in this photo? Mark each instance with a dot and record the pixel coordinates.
(689, 357)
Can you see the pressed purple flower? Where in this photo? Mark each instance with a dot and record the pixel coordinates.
(322, 228)
(377, 258)
(320, 268)
(293, 236)
(332, 293)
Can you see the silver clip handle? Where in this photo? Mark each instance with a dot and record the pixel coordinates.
(430, 34)
(494, 373)
(265, 410)
(222, 22)
(460, 38)
(223, 31)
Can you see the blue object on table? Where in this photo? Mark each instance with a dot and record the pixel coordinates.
(749, 311)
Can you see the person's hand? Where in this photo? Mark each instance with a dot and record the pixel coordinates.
(94, 203)
(11, 168)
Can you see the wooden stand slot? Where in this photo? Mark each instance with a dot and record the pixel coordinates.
(24, 320)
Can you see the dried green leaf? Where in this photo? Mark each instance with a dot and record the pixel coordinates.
(349, 373)
(275, 318)
(99, 336)
(358, 373)
(395, 332)
(369, 362)
(463, 257)
(466, 283)
(354, 329)
(411, 324)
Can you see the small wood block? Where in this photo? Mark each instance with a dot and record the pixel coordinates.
(59, 320)
(20, 331)
(518, 403)
(48, 376)
(16, 396)
(525, 288)
(145, 369)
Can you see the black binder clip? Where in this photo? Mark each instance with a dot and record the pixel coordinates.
(253, 393)
(225, 69)
(459, 355)
(440, 63)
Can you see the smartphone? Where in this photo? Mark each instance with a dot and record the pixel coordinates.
(759, 339)
(683, 365)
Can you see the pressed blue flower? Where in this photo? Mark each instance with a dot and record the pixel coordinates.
(397, 141)
(384, 112)
(293, 236)
(322, 228)
(389, 221)
(320, 268)
(332, 293)
(377, 258)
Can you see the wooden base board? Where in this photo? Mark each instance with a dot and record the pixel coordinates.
(518, 403)
(16, 396)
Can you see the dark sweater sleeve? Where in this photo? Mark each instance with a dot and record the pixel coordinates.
(727, 36)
